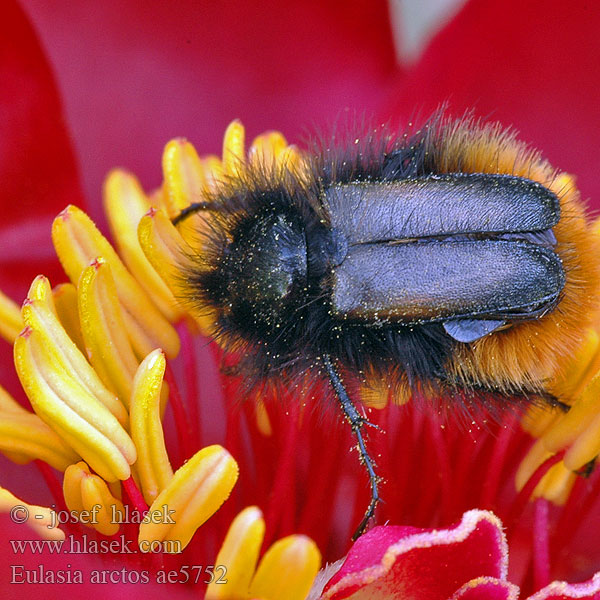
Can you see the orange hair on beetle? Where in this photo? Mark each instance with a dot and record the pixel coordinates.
(530, 353)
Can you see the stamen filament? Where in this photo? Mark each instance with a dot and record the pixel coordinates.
(182, 422)
(52, 483)
(136, 497)
(489, 489)
(284, 477)
(523, 497)
(191, 380)
(541, 544)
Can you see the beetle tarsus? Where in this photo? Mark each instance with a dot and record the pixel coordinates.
(374, 480)
(357, 422)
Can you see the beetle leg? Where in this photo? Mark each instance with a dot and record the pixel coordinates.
(357, 422)
(193, 208)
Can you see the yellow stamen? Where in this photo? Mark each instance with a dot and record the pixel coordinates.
(40, 290)
(39, 518)
(556, 484)
(38, 314)
(195, 493)
(287, 570)
(533, 459)
(292, 158)
(586, 447)
(95, 493)
(9, 406)
(538, 419)
(77, 416)
(375, 393)
(213, 171)
(65, 302)
(89, 497)
(577, 431)
(189, 179)
(184, 183)
(153, 464)
(234, 153)
(125, 204)
(184, 179)
(262, 418)
(166, 250)
(78, 242)
(239, 555)
(572, 424)
(267, 148)
(579, 369)
(72, 486)
(10, 319)
(104, 331)
(25, 437)
(164, 247)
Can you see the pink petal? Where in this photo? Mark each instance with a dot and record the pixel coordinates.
(408, 563)
(134, 75)
(487, 588)
(37, 164)
(537, 72)
(560, 590)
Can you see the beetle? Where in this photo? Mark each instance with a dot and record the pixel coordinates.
(452, 263)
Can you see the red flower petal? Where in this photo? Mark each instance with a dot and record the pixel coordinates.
(560, 590)
(37, 165)
(487, 588)
(145, 73)
(532, 65)
(407, 563)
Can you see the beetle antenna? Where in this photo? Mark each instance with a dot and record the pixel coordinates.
(357, 422)
(194, 208)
